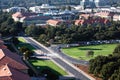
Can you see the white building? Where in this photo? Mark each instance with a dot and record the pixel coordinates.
(16, 9)
(94, 3)
(43, 8)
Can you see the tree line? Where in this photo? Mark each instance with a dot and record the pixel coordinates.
(106, 67)
(74, 34)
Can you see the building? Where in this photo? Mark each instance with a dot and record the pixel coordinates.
(85, 16)
(67, 15)
(116, 17)
(2, 46)
(31, 18)
(12, 59)
(9, 73)
(54, 23)
(105, 14)
(94, 3)
(12, 66)
(16, 9)
(43, 8)
(93, 21)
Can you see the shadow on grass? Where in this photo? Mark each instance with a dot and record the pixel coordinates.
(26, 45)
(51, 73)
(89, 49)
(46, 71)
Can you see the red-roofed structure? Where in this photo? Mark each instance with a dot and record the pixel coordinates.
(54, 22)
(12, 59)
(92, 21)
(107, 15)
(11, 65)
(85, 16)
(9, 73)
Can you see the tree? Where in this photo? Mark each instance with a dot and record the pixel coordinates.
(108, 69)
(29, 29)
(90, 53)
(115, 75)
(68, 8)
(23, 49)
(117, 49)
(15, 40)
(95, 65)
(27, 54)
(42, 38)
(63, 8)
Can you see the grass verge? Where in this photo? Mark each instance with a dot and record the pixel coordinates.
(21, 39)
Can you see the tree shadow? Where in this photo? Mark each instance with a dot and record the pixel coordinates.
(89, 49)
(46, 71)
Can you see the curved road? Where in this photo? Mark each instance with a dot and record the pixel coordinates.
(76, 72)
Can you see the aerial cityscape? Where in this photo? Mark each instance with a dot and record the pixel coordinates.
(59, 39)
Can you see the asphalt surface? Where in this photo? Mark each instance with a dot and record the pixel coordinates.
(67, 67)
(77, 74)
(68, 58)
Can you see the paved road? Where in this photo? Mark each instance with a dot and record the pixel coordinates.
(77, 74)
(66, 66)
(68, 58)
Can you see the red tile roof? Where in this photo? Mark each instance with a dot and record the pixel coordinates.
(91, 21)
(20, 15)
(9, 73)
(12, 59)
(54, 22)
(86, 16)
(104, 14)
(3, 47)
(79, 22)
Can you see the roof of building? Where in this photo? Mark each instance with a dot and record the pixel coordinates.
(38, 18)
(7, 57)
(3, 47)
(9, 73)
(25, 14)
(91, 21)
(104, 14)
(47, 6)
(67, 12)
(78, 22)
(1, 41)
(53, 22)
(86, 16)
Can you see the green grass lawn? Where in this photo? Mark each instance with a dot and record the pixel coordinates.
(47, 64)
(80, 52)
(21, 39)
(23, 43)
